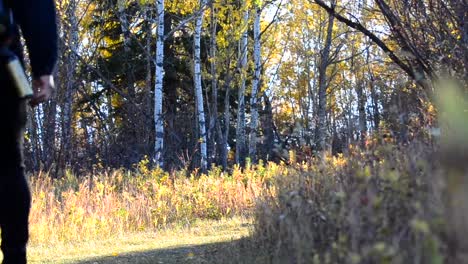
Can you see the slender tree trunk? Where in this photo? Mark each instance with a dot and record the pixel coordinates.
(255, 87)
(373, 95)
(125, 27)
(158, 87)
(227, 119)
(70, 85)
(172, 144)
(308, 112)
(130, 136)
(35, 146)
(321, 129)
(214, 88)
(375, 104)
(240, 130)
(48, 140)
(362, 112)
(268, 128)
(149, 137)
(198, 90)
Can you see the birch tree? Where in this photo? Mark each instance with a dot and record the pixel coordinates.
(198, 89)
(158, 87)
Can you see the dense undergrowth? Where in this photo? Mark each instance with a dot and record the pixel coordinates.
(383, 204)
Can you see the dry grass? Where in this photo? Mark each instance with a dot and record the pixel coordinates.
(380, 205)
(181, 243)
(120, 202)
(384, 204)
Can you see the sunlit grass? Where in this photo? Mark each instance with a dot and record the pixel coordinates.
(122, 211)
(351, 208)
(113, 204)
(197, 233)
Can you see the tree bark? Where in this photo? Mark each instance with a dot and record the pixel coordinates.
(240, 130)
(362, 112)
(255, 88)
(268, 128)
(72, 61)
(321, 129)
(224, 151)
(214, 90)
(125, 27)
(48, 139)
(149, 137)
(158, 87)
(199, 91)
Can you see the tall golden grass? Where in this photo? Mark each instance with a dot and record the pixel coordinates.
(382, 204)
(74, 209)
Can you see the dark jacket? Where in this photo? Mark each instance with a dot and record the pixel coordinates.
(38, 24)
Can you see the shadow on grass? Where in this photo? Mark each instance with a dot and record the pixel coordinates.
(236, 251)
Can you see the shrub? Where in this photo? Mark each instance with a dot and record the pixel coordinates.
(379, 205)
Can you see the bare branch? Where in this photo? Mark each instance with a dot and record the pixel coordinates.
(185, 21)
(370, 35)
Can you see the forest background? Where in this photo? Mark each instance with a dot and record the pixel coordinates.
(340, 116)
(189, 84)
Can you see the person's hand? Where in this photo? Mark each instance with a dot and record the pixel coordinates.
(43, 88)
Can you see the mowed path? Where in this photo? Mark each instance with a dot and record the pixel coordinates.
(202, 242)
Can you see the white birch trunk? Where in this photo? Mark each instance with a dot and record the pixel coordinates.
(240, 130)
(255, 87)
(158, 87)
(198, 89)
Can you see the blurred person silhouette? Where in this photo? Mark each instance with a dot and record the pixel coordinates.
(36, 19)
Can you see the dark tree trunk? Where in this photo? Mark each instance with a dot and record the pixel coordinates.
(321, 129)
(362, 112)
(267, 128)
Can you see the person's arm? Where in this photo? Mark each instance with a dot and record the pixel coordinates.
(37, 20)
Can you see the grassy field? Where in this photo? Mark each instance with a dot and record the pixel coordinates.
(105, 205)
(200, 242)
(143, 215)
(386, 203)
